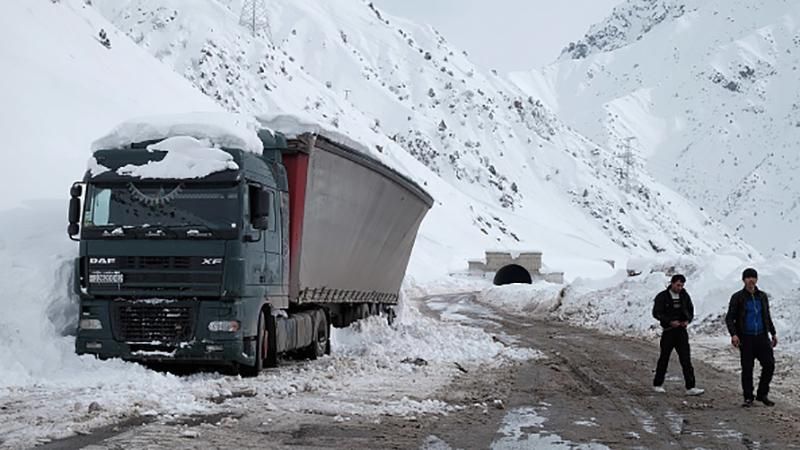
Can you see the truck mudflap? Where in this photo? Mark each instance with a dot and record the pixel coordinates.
(205, 351)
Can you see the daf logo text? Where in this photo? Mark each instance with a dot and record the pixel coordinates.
(102, 260)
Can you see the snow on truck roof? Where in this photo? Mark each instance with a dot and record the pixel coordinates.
(193, 141)
(220, 129)
(293, 125)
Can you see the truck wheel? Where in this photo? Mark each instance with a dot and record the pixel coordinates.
(262, 349)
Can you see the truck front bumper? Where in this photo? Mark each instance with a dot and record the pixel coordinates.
(205, 351)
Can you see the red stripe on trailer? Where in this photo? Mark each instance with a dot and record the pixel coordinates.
(297, 174)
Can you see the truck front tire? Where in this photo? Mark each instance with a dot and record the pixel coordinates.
(262, 349)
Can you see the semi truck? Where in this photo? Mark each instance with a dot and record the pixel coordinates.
(242, 265)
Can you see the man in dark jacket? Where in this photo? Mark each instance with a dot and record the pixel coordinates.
(673, 308)
(748, 322)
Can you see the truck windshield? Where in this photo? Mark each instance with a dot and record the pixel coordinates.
(162, 204)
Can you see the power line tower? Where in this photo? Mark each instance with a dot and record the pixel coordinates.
(254, 18)
(628, 161)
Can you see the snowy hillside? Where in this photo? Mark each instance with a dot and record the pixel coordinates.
(499, 161)
(708, 90)
(60, 88)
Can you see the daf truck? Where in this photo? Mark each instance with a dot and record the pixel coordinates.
(242, 265)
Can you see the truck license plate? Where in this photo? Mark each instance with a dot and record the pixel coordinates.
(105, 278)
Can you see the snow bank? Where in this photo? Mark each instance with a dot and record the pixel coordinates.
(452, 284)
(539, 298)
(226, 130)
(186, 157)
(36, 274)
(418, 336)
(623, 304)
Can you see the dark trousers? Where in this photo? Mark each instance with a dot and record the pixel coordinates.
(760, 348)
(678, 339)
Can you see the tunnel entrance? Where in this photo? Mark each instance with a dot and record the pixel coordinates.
(512, 273)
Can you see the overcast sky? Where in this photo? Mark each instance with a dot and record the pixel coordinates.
(506, 35)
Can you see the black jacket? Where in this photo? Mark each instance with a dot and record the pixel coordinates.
(736, 310)
(665, 312)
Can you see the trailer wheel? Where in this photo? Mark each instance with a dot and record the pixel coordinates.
(262, 349)
(328, 344)
(390, 313)
(322, 340)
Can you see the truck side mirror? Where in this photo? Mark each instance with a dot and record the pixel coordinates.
(75, 193)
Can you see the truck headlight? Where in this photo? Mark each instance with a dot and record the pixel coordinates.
(90, 324)
(229, 326)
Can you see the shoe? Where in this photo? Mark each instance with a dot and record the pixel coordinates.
(659, 389)
(766, 401)
(695, 391)
(747, 403)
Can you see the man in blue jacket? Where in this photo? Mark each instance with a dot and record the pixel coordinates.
(748, 322)
(673, 309)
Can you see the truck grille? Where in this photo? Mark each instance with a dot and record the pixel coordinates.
(165, 324)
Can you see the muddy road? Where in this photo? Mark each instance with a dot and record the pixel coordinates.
(590, 391)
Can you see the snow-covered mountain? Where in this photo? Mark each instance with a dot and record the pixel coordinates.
(708, 91)
(521, 177)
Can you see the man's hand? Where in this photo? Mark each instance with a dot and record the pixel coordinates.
(674, 324)
(774, 341)
(685, 323)
(735, 341)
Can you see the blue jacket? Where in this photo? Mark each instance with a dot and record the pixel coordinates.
(736, 312)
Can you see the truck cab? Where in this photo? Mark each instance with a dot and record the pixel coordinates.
(171, 268)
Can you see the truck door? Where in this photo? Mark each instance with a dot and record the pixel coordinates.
(255, 250)
(273, 243)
